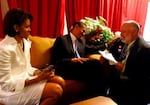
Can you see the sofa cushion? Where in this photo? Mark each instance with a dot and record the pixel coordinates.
(41, 48)
(94, 56)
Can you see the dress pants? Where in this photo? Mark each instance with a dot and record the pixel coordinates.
(90, 72)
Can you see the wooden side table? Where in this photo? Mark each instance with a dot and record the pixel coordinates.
(99, 100)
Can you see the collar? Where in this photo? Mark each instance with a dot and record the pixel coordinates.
(130, 45)
(73, 38)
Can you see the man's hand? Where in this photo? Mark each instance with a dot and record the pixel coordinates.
(80, 60)
(103, 60)
(119, 66)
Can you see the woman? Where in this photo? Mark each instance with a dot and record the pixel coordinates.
(20, 83)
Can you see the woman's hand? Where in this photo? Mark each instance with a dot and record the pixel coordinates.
(43, 75)
(51, 75)
(37, 72)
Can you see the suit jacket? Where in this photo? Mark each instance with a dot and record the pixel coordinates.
(15, 66)
(136, 89)
(63, 49)
(138, 62)
(92, 47)
(117, 49)
(62, 54)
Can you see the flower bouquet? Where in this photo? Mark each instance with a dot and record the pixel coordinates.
(97, 30)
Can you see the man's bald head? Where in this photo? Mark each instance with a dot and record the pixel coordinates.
(133, 24)
(129, 31)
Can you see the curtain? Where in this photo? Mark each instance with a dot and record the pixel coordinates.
(135, 10)
(76, 10)
(111, 10)
(1, 24)
(114, 11)
(3, 9)
(48, 15)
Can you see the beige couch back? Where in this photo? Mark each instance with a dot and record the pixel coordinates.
(41, 49)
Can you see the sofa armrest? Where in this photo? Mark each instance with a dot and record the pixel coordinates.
(94, 56)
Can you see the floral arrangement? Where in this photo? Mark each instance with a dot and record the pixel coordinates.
(97, 28)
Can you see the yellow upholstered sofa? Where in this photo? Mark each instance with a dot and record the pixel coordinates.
(41, 51)
(41, 48)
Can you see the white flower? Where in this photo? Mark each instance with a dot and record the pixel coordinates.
(98, 27)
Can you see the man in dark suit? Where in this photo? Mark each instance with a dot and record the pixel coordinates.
(70, 59)
(117, 48)
(132, 87)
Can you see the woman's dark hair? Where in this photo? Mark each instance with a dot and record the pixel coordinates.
(13, 17)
